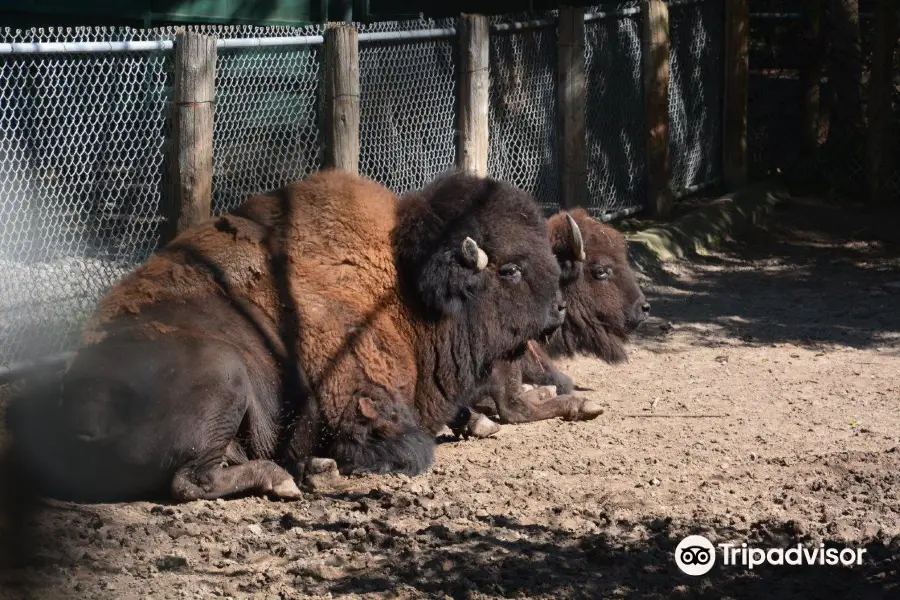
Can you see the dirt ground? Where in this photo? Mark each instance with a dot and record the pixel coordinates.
(760, 406)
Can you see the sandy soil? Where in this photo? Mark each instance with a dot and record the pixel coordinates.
(760, 405)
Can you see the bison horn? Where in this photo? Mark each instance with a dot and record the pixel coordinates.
(577, 240)
(474, 255)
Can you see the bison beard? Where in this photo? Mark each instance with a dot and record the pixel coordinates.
(327, 318)
(604, 305)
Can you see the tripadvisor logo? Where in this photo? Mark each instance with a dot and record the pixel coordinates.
(695, 555)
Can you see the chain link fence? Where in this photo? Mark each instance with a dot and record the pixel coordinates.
(407, 103)
(82, 141)
(266, 130)
(83, 158)
(779, 46)
(616, 133)
(522, 106)
(696, 72)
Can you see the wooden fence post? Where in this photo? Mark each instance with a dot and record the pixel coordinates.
(342, 97)
(734, 115)
(571, 98)
(655, 52)
(474, 82)
(191, 151)
(880, 91)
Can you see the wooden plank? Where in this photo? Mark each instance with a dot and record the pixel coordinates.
(571, 98)
(734, 125)
(342, 97)
(880, 101)
(811, 74)
(474, 74)
(655, 53)
(191, 158)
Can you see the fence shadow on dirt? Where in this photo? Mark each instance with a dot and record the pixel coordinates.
(818, 273)
(515, 560)
(510, 559)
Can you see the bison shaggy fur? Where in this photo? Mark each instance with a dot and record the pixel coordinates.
(327, 318)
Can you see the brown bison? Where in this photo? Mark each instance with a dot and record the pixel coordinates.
(327, 318)
(604, 305)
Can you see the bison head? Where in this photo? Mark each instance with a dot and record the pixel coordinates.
(605, 303)
(474, 254)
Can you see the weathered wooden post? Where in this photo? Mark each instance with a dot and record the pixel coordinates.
(880, 91)
(474, 82)
(737, 73)
(655, 52)
(342, 97)
(571, 99)
(191, 152)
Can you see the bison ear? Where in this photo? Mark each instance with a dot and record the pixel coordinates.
(367, 408)
(437, 266)
(450, 277)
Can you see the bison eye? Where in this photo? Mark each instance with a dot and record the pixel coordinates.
(601, 273)
(511, 272)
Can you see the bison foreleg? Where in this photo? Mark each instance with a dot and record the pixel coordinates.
(255, 476)
(538, 369)
(540, 404)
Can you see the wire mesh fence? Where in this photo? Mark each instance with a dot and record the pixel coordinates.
(522, 108)
(83, 135)
(616, 134)
(407, 104)
(696, 70)
(267, 120)
(780, 49)
(81, 181)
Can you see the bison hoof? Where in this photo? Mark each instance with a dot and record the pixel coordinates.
(317, 466)
(583, 410)
(482, 427)
(322, 474)
(287, 490)
(590, 410)
(446, 432)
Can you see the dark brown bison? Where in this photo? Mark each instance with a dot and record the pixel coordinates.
(328, 318)
(605, 305)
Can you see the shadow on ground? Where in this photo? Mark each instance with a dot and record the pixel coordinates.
(544, 561)
(509, 559)
(831, 273)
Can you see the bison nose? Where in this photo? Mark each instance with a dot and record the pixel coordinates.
(87, 436)
(556, 314)
(640, 310)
